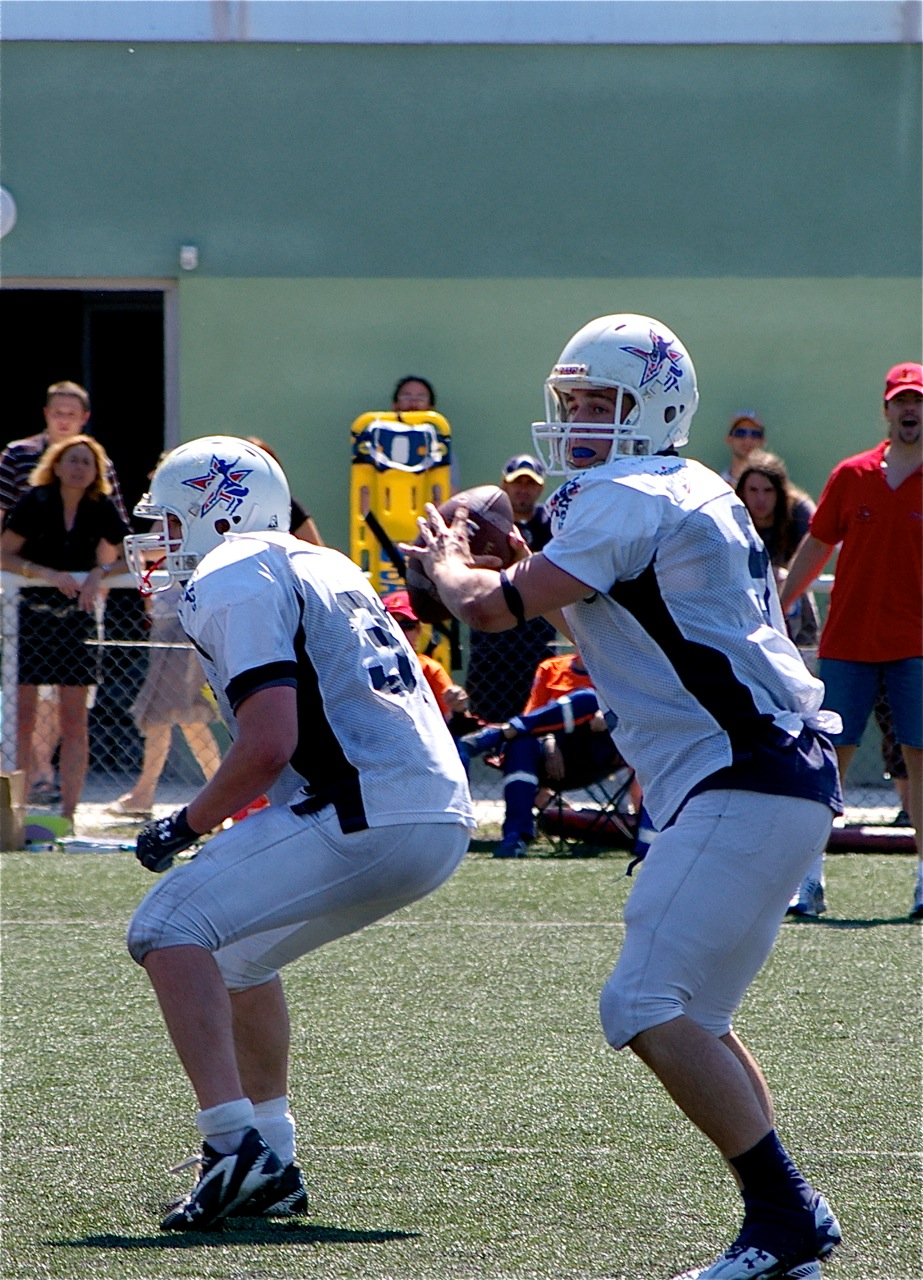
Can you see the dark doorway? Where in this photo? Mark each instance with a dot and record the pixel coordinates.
(111, 342)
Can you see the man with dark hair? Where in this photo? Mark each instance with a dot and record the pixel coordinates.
(67, 412)
(413, 394)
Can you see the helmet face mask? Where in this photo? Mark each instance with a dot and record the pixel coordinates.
(212, 486)
(630, 356)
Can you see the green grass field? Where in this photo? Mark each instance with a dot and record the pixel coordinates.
(460, 1114)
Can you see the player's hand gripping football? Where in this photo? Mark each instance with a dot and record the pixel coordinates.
(161, 840)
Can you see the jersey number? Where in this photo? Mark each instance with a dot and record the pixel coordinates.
(387, 667)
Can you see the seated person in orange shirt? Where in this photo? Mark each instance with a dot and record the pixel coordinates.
(451, 697)
(560, 739)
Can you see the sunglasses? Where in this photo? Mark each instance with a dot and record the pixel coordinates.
(406, 624)
(752, 433)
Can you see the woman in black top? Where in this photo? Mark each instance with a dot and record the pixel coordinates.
(66, 523)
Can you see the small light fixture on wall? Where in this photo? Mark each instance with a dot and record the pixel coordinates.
(7, 211)
(188, 256)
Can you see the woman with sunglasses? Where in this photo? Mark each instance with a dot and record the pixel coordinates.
(745, 434)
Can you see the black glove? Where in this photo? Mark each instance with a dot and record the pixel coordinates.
(159, 841)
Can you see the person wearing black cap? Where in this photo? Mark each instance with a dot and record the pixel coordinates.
(501, 664)
(523, 482)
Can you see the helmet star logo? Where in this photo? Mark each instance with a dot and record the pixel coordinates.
(222, 483)
(661, 354)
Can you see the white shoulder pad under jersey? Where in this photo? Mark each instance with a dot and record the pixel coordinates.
(269, 609)
(681, 628)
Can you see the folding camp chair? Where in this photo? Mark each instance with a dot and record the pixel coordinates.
(602, 821)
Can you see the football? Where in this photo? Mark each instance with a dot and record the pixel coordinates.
(490, 519)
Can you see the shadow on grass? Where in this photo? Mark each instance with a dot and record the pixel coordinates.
(800, 922)
(282, 1233)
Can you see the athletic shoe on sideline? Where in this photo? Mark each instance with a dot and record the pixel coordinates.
(511, 847)
(809, 902)
(290, 1198)
(485, 740)
(226, 1183)
(916, 911)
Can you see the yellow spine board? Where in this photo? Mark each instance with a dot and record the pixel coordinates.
(399, 463)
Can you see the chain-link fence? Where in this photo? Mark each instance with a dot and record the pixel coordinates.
(54, 655)
(111, 655)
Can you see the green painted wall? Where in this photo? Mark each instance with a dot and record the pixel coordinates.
(297, 361)
(365, 211)
(463, 161)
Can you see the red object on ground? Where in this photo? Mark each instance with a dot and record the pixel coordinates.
(261, 802)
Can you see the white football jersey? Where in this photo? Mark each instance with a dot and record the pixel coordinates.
(683, 635)
(266, 609)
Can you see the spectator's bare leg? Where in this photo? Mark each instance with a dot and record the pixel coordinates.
(25, 728)
(46, 737)
(75, 747)
(844, 757)
(204, 747)
(913, 759)
(156, 749)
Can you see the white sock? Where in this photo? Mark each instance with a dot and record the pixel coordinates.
(817, 870)
(223, 1127)
(277, 1127)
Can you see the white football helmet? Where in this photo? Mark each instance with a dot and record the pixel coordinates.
(632, 355)
(214, 486)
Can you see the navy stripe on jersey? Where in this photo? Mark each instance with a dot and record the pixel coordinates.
(198, 648)
(318, 757)
(705, 672)
(765, 758)
(269, 676)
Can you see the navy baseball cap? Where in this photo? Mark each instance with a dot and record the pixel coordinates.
(524, 464)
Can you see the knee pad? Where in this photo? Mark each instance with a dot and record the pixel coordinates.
(161, 921)
(138, 939)
(625, 1014)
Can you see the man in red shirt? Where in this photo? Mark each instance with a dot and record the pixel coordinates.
(873, 506)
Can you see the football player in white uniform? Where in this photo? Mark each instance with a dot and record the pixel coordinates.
(370, 810)
(669, 595)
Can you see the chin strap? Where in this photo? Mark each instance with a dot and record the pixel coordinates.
(145, 584)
